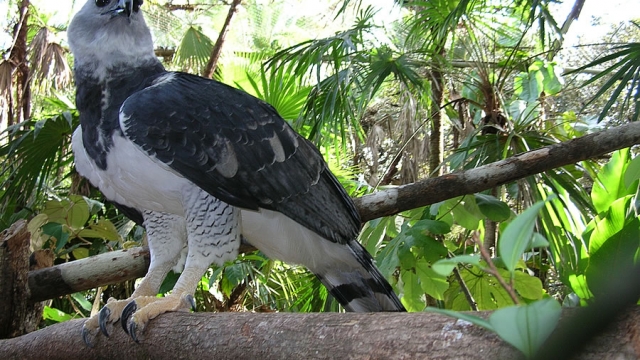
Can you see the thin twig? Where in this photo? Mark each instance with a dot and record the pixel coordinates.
(493, 270)
(465, 290)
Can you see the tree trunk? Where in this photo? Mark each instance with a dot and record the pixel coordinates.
(21, 109)
(18, 313)
(210, 68)
(436, 138)
(305, 336)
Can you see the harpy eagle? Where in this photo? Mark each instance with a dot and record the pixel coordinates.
(204, 164)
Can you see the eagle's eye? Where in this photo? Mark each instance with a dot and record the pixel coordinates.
(102, 3)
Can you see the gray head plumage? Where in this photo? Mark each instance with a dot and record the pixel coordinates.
(105, 33)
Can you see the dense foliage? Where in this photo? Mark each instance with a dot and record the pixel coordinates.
(449, 85)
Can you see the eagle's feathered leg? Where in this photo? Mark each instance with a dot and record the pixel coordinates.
(169, 238)
(213, 237)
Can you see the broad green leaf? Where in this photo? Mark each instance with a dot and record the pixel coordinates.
(372, 234)
(463, 217)
(537, 241)
(431, 227)
(527, 327)
(169, 282)
(36, 223)
(56, 315)
(57, 210)
(387, 259)
(57, 231)
(492, 208)
(485, 289)
(527, 286)
(553, 82)
(413, 298)
(579, 286)
(444, 267)
(609, 185)
(80, 253)
(516, 237)
(80, 299)
(102, 229)
(431, 282)
(428, 248)
(78, 212)
(633, 172)
(614, 257)
(609, 223)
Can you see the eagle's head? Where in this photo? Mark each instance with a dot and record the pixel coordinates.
(107, 33)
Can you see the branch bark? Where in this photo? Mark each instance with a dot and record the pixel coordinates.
(433, 190)
(304, 336)
(118, 266)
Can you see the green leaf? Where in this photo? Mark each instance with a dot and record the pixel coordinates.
(632, 173)
(431, 227)
(57, 231)
(609, 185)
(492, 208)
(413, 298)
(527, 327)
(579, 286)
(80, 253)
(432, 283)
(465, 218)
(537, 241)
(444, 267)
(485, 289)
(57, 210)
(527, 286)
(516, 237)
(102, 229)
(609, 223)
(615, 256)
(169, 282)
(55, 315)
(82, 300)
(78, 213)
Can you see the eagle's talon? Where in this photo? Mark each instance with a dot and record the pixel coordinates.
(132, 330)
(85, 336)
(127, 312)
(191, 301)
(103, 318)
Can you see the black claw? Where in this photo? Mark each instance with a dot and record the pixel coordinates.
(191, 301)
(132, 331)
(85, 336)
(126, 314)
(103, 318)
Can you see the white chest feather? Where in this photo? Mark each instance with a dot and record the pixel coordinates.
(132, 178)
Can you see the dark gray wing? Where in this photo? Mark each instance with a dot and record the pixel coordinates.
(238, 149)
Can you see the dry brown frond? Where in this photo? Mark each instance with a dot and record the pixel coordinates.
(48, 61)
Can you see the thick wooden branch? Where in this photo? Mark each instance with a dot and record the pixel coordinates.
(130, 264)
(303, 336)
(433, 190)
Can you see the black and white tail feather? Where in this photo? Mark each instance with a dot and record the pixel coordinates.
(361, 289)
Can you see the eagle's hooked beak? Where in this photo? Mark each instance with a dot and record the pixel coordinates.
(127, 7)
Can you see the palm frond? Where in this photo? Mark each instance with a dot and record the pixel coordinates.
(194, 50)
(624, 75)
(37, 154)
